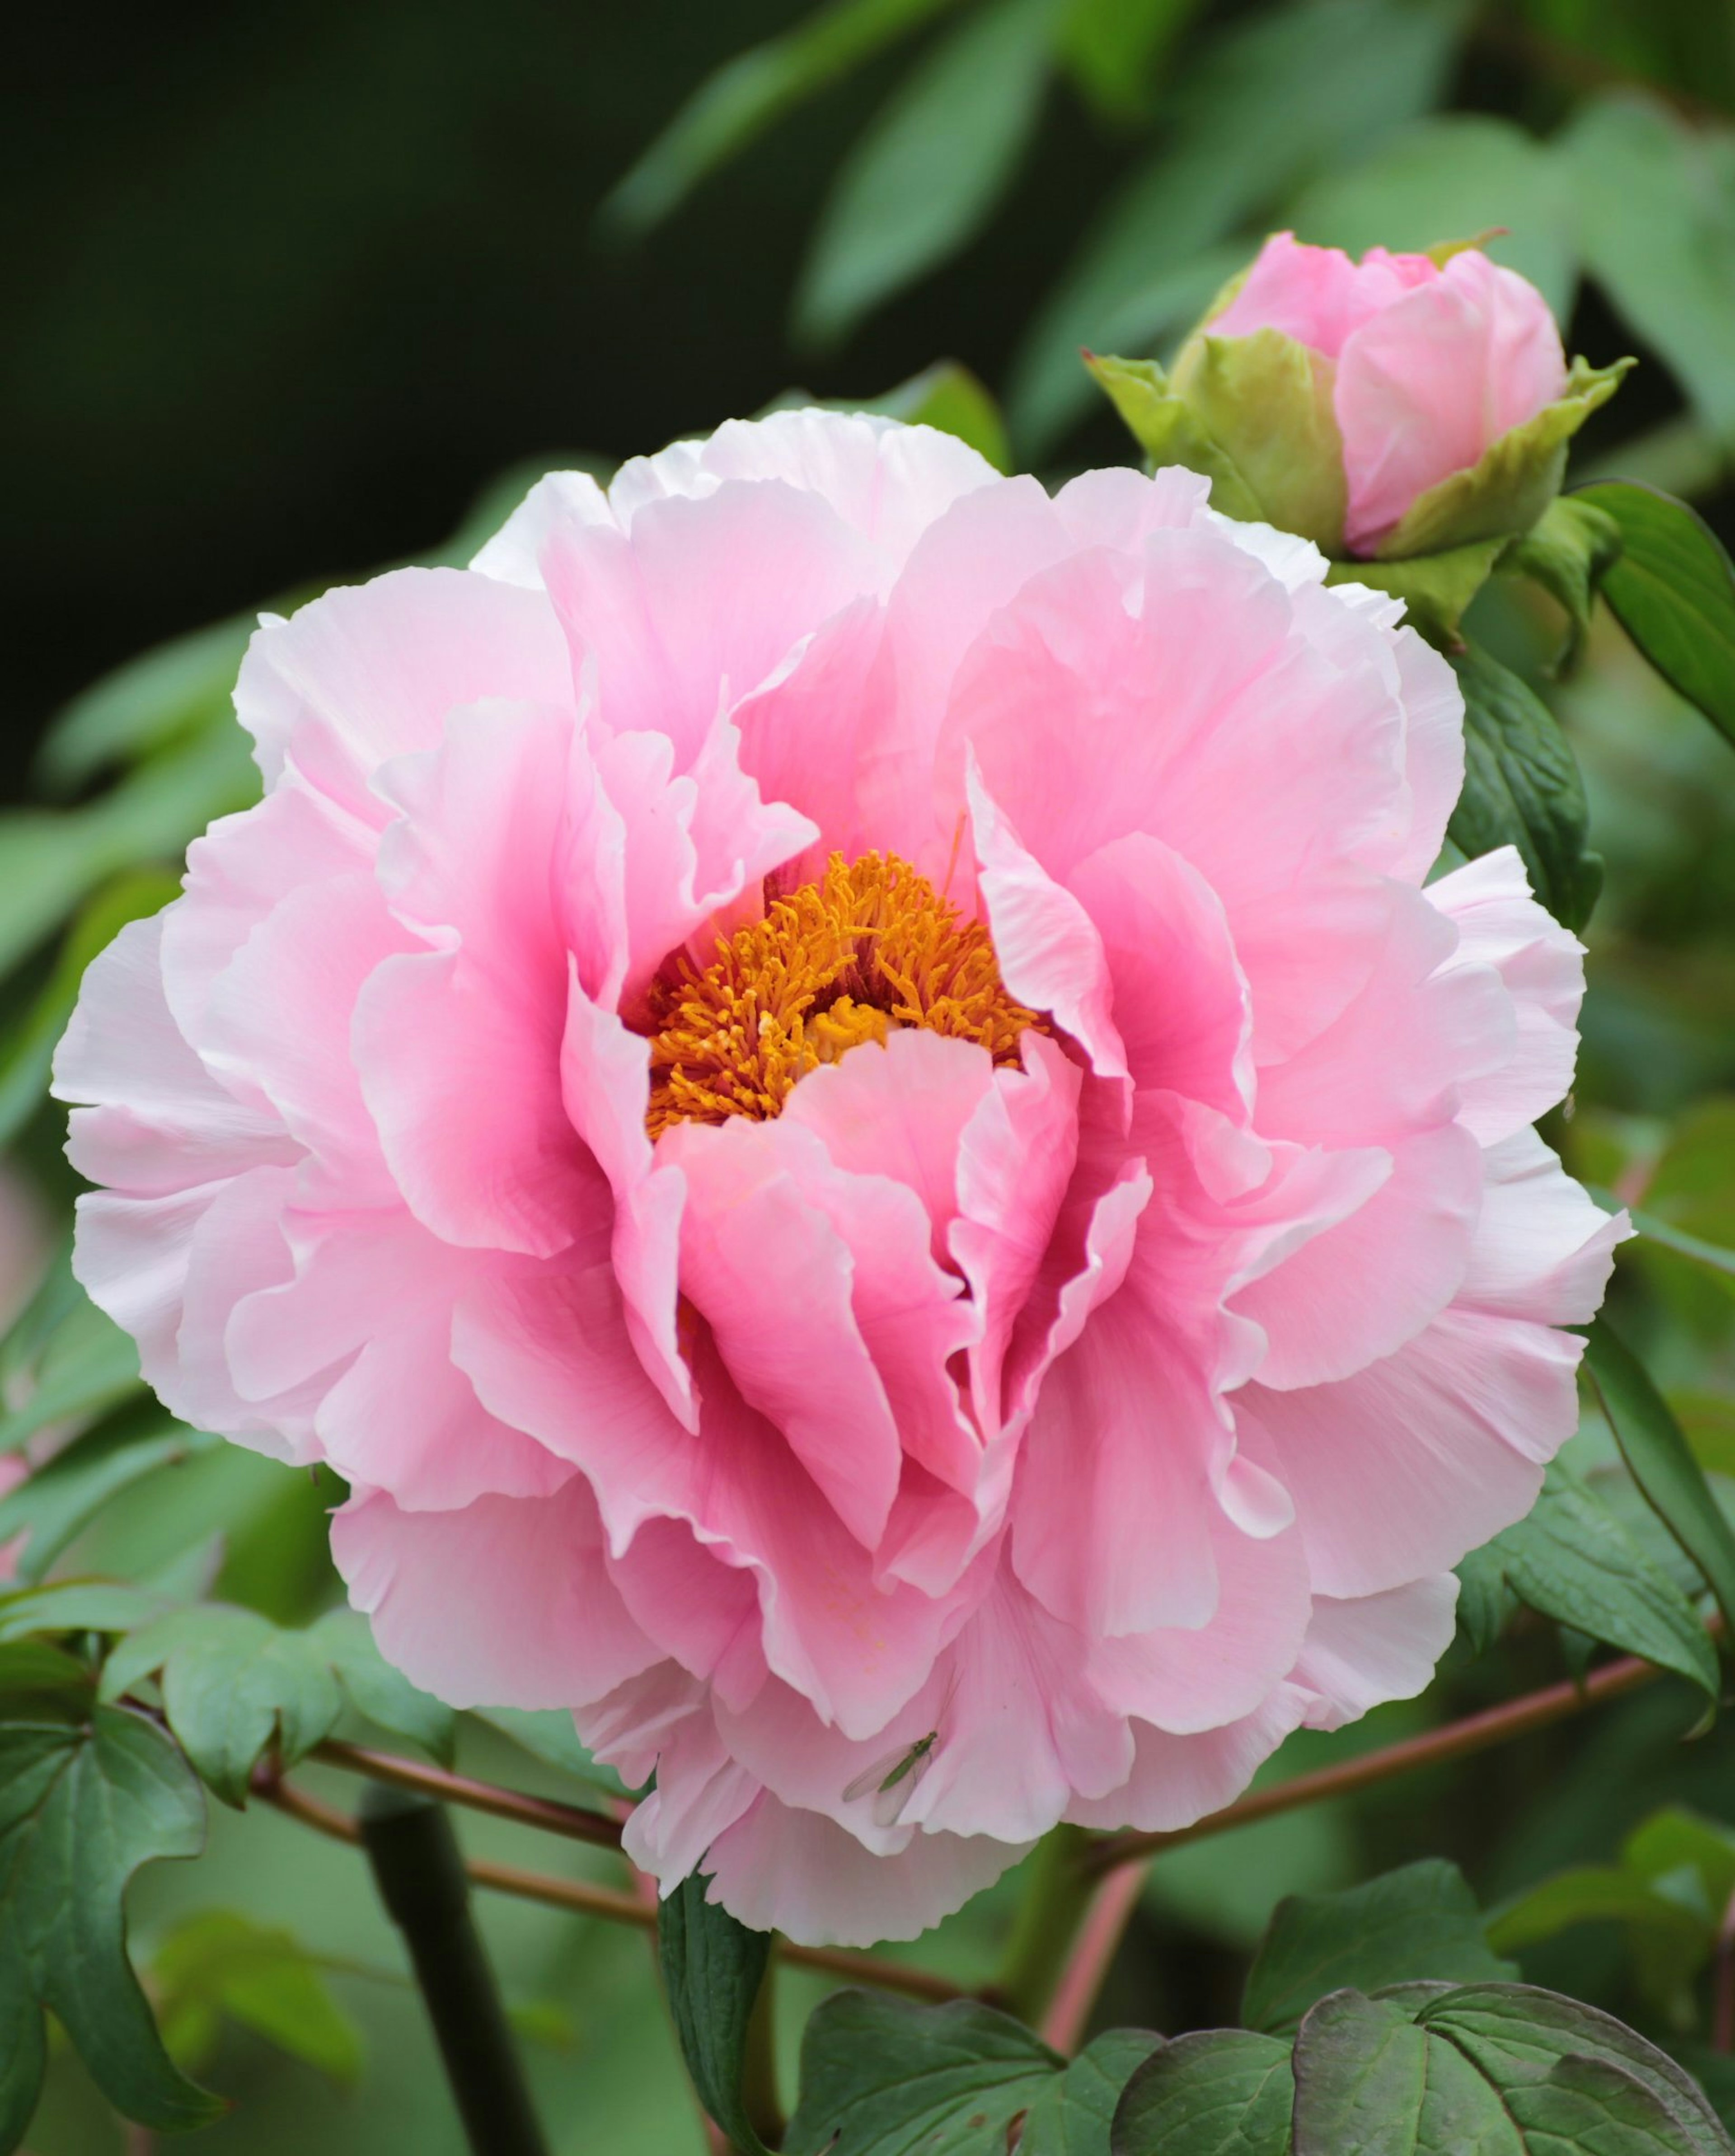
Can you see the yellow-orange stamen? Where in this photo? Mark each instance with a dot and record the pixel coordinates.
(869, 948)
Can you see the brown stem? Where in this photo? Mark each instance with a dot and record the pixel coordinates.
(1110, 1910)
(587, 1900)
(1722, 2004)
(553, 1817)
(1457, 1740)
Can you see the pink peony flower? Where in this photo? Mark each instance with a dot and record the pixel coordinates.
(1434, 362)
(830, 1085)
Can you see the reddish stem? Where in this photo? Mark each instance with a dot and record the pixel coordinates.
(1723, 2003)
(1457, 1740)
(1111, 1907)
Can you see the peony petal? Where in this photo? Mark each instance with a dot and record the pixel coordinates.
(1399, 1471)
(538, 1624)
(1360, 1653)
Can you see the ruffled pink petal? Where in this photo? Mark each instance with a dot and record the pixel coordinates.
(158, 1122)
(538, 1623)
(693, 843)
(1016, 1157)
(801, 1874)
(1199, 1678)
(1158, 683)
(369, 1308)
(1543, 1250)
(1434, 379)
(887, 482)
(1358, 1654)
(239, 872)
(1181, 1003)
(700, 601)
(1541, 965)
(1317, 295)
(1051, 953)
(1176, 1780)
(458, 1046)
(701, 1610)
(700, 1791)
(1398, 1471)
(371, 671)
(767, 1269)
(514, 555)
(1405, 1052)
(547, 1352)
(278, 1023)
(1361, 1288)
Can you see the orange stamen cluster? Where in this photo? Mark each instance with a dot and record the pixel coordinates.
(869, 948)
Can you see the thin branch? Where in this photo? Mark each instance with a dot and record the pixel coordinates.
(1457, 1740)
(1722, 2004)
(587, 1901)
(547, 1812)
(1110, 1910)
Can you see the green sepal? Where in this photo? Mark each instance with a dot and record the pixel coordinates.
(1435, 589)
(1266, 400)
(1568, 552)
(1513, 482)
(1170, 433)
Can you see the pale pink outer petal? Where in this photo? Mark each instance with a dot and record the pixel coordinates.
(537, 1623)
(1316, 295)
(1542, 966)
(158, 1122)
(886, 481)
(800, 1873)
(1543, 1250)
(1176, 1780)
(371, 671)
(458, 1046)
(1400, 1470)
(1429, 382)
(700, 1791)
(369, 1308)
(1359, 1654)
(700, 602)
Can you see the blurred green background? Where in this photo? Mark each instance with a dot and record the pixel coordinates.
(292, 287)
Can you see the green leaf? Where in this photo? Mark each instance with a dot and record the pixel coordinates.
(34, 1667)
(1435, 589)
(1421, 1923)
(1491, 2070)
(1521, 788)
(52, 859)
(28, 1051)
(65, 1358)
(1517, 2034)
(384, 1694)
(879, 2077)
(1673, 592)
(1661, 1462)
(713, 1969)
(81, 1808)
(1597, 1893)
(1569, 551)
(1298, 91)
(1573, 1560)
(1074, 2114)
(734, 107)
(1216, 2092)
(176, 690)
(75, 1605)
(1657, 229)
(548, 1735)
(223, 1965)
(233, 1684)
(1460, 171)
(930, 166)
(58, 1500)
(1113, 50)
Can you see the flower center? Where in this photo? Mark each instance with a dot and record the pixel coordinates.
(869, 948)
